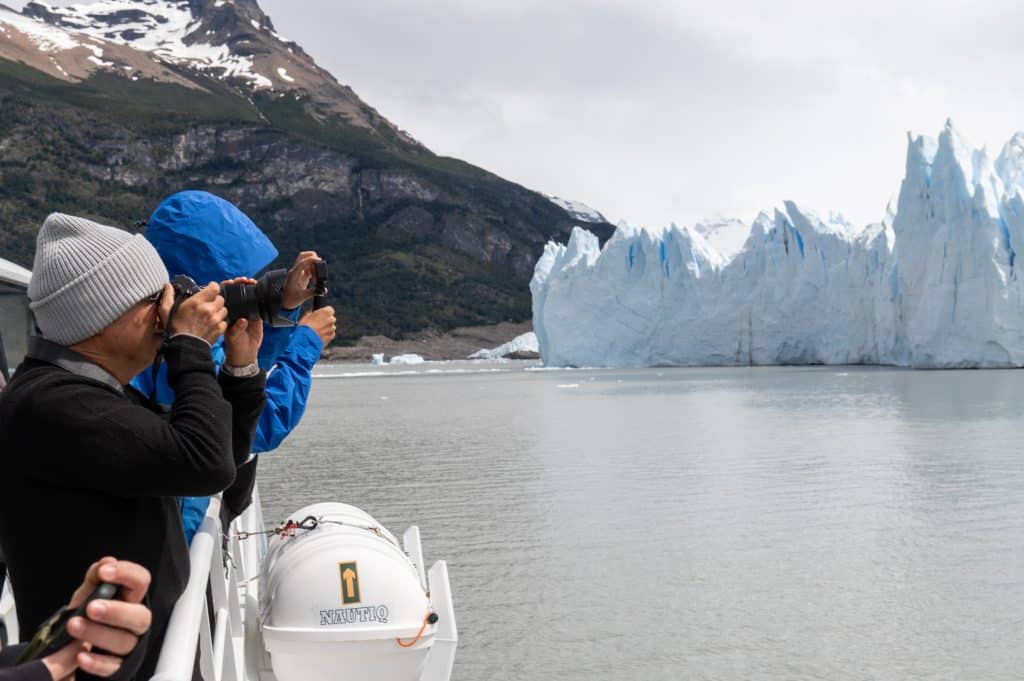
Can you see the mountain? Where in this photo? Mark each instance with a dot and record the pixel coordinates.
(725, 235)
(935, 284)
(107, 107)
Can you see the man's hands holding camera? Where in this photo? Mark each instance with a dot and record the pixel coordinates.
(297, 291)
(296, 286)
(113, 626)
(204, 315)
(242, 340)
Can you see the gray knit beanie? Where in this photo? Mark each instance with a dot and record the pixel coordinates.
(86, 275)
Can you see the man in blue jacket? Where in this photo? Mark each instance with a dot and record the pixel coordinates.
(205, 237)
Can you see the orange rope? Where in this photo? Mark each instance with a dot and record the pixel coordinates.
(423, 628)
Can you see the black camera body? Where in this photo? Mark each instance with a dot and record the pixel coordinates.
(320, 285)
(184, 287)
(259, 301)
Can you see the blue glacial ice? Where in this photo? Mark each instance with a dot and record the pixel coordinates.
(935, 284)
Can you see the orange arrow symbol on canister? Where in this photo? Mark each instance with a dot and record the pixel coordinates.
(350, 582)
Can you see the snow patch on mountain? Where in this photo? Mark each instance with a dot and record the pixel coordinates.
(935, 284)
(725, 235)
(577, 210)
(165, 28)
(46, 38)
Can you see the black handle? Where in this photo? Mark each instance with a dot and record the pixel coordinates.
(53, 634)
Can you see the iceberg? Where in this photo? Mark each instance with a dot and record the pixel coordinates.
(408, 358)
(934, 284)
(521, 344)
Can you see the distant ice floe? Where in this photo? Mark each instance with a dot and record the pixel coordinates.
(935, 284)
(526, 342)
(410, 358)
(326, 373)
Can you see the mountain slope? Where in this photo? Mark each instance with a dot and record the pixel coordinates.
(231, 41)
(176, 96)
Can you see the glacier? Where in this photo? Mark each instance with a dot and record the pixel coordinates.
(935, 284)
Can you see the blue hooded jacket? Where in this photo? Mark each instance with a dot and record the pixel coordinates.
(209, 239)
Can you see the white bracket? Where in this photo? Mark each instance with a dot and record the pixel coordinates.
(414, 549)
(441, 657)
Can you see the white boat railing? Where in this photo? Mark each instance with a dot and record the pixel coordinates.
(225, 585)
(190, 624)
(8, 614)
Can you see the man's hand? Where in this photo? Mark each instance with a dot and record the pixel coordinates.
(242, 342)
(114, 626)
(296, 285)
(323, 322)
(203, 315)
(243, 338)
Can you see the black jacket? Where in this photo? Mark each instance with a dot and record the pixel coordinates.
(34, 671)
(87, 471)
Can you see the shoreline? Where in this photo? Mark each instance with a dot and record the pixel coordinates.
(456, 344)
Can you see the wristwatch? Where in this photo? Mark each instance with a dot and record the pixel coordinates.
(246, 371)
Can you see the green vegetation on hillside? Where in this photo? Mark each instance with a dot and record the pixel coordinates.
(111, 149)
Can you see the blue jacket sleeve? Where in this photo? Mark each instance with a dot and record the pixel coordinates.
(193, 510)
(277, 338)
(288, 383)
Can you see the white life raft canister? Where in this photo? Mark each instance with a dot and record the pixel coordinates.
(339, 598)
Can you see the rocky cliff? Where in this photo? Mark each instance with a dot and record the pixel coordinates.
(107, 108)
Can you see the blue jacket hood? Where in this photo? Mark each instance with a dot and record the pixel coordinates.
(208, 238)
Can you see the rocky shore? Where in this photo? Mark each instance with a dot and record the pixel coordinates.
(458, 343)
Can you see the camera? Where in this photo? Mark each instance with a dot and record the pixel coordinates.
(53, 634)
(259, 301)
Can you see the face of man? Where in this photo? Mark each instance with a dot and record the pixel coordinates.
(136, 335)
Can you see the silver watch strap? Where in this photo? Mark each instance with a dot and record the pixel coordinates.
(247, 371)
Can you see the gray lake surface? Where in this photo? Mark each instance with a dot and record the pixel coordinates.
(766, 523)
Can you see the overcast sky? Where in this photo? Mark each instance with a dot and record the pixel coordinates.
(655, 111)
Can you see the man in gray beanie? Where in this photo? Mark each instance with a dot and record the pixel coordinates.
(94, 463)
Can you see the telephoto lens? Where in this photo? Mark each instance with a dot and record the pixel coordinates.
(261, 300)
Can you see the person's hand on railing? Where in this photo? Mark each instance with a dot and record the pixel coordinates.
(113, 626)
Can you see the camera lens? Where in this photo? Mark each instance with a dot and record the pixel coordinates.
(269, 293)
(262, 301)
(241, 301)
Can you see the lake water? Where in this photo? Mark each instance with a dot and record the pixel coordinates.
(767, 523)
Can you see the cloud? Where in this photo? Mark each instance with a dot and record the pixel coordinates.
(662, 110)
